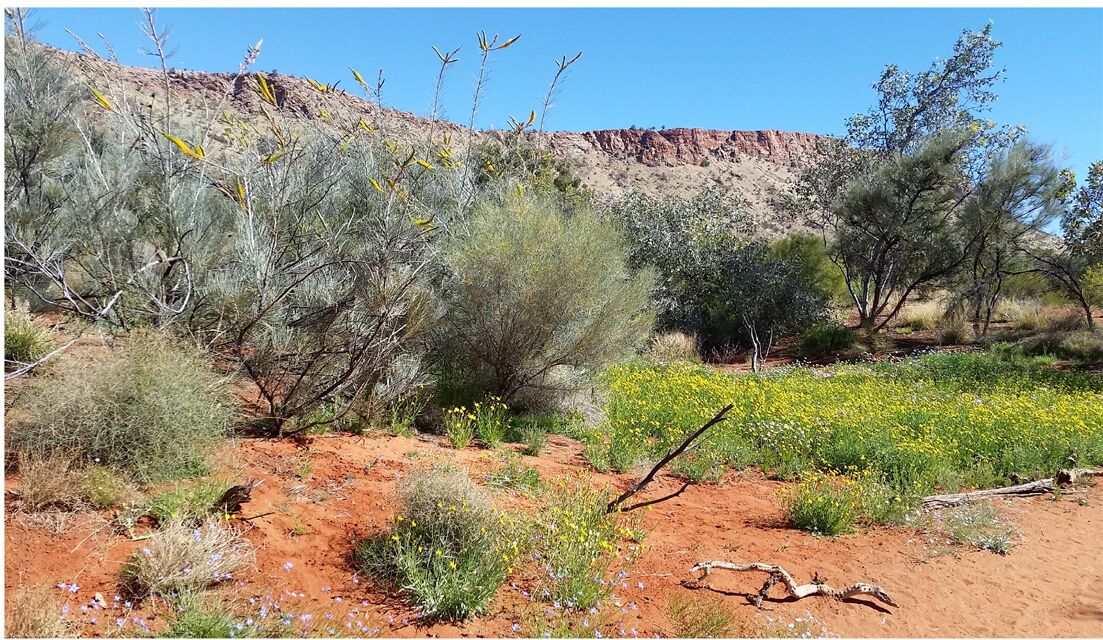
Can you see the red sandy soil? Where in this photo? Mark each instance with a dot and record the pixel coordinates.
(1050, 585)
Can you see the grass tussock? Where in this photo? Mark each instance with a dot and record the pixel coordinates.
(673, 346)
(32, 612)
(24, 341)
(149, 408)
(182, 556)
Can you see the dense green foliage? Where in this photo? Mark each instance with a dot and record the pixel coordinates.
(447, 550)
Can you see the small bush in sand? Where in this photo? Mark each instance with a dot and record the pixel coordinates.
(24, 341)
(511, 473)
(148, 408)
(699, 617)
(448, 548)
(184, 557)
(981, 526)
(823, 504)
(48, 483)
(192, 500)
(32, 612)
(826, 339)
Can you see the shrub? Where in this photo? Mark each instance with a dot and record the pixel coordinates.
(1083, 346)
(533, 290)
(196, 618)
(447, 548)
(491, 421)
(826, 339)
(182, 556)
(578, 545)
(809, 255)
(148, 408)
(459, 426)
(189, 501)
(32, 612)
(49, 483)
(104, 487)
(24, 341)
(673, 346)
(1064, 320)
(698, 467)
(404, 412)
(981, 526)
(823, 504)
(1079, 346)
(533, 437)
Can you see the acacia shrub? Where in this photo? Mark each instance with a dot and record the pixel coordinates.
(531, 290)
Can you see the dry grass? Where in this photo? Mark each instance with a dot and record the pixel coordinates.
(49, 483)
(923, 316)
(182, 557)
(32, 612)
(673, 346)
(149, 408)
(1023, 315)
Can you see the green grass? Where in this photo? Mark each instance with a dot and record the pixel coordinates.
(190, 500)
(511, 473)
(24, 341)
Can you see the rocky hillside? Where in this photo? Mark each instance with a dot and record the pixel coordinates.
(753, 164)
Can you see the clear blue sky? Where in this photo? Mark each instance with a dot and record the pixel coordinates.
(790, 69)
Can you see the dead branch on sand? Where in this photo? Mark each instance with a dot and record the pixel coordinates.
(1063, 478)
(615, 504)
(777, 574)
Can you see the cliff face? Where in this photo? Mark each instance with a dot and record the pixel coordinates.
(753, 165)
(672, 147)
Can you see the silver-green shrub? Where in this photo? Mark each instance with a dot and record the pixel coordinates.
(531, 289)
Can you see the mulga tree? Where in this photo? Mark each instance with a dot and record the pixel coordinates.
(1020, 192)
(911, 108)
(896, 228)
(1075, 268)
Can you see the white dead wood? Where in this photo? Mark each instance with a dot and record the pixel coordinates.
(1063, 478)
(777, 574)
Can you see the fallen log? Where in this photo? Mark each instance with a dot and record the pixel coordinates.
(1063, 478)
(777, 574)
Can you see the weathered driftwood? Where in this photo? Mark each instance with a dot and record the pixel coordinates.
(1063, 478)
(614, 505)
(776, 574)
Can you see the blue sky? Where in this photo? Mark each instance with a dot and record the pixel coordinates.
(790, 69)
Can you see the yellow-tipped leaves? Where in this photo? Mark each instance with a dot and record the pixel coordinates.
(265, 91)
(196, 152)
(101, 99)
